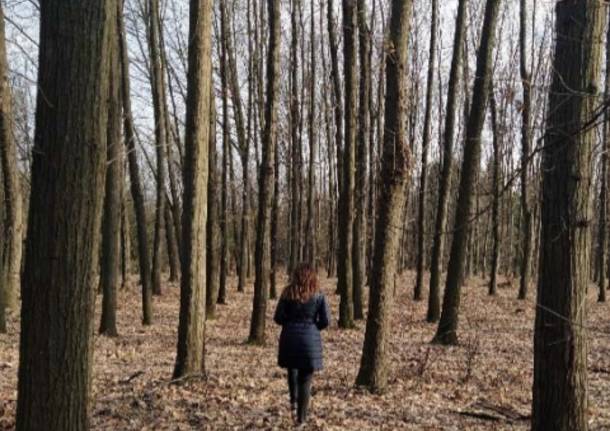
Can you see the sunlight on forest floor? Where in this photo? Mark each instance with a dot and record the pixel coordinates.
(485, 383)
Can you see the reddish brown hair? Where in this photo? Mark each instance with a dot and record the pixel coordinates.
(304, 284)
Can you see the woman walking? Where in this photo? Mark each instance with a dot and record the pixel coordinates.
(302, 312)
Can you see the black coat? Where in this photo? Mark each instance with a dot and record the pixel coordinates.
(300, 341)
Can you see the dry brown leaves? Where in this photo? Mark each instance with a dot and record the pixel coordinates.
(484, 383)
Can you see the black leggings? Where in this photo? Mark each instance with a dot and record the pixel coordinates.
(299, 384)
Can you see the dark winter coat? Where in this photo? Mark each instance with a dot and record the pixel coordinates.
(300, 340)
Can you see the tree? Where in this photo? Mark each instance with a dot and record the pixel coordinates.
(495, 212)
(134, 176)
(191, 327)
(526, 233)
(10, 257)
(61, 251)
(447, 327)
(602, 234)
(310, 227)
(266, 180)
(346, 195)
(158, 97)
(423, 179)
(560, 341)
(440, 225)
(397, 163)
(212, 275)
(111, 220)
(359, 246)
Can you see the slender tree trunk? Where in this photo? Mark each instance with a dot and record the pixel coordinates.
(263, 248)
(191, 329)
(338, 103)
(275, 213)
(440, 226)
(125, 234)
(295, 150)
(397, 163)
(346, 198)
(64, 221)
(447, 328)
(560, 340)
(158, 88)
(10, 257)
(134, 177)
(111, 222)
(359, 243)
(310, 227)
(212, 275)
(423, 179)
(526, 232)
(495, 214)
(173, 255)
(224, 198)
(602, 238)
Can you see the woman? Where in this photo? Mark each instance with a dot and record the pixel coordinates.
(302, 312)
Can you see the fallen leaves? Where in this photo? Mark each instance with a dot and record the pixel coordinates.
(483, 383)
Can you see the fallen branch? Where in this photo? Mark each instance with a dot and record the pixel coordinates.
(132, 377)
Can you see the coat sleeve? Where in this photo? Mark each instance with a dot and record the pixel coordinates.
(323, 314)
(280, 313)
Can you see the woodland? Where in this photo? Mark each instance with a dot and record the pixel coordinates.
(167, 164)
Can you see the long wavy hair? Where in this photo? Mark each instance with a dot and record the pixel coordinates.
(303, 285)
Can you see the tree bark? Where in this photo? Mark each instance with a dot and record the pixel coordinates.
(134, 177)
(423, 179)
(212, 275)
(157, 88)
(526, 232)
(310, 230)
(266, 179)
(10, 257)
(397, 163)
(61, 253)
(111, 221)
(440, 225)
(495, 213)
(447, 329)
(560, 340)
(346, 198)
(602, 234)
(191, 329)
(359, 243)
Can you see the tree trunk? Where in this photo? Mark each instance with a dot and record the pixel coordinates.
(440, 226)
(560, 340)
(359, 243)
(446, 331)
(191, 328)
(134, 177)
(10, 257)
(275, 213)
(173, 255)
(310, 227)
(125, 234)
(263, 248)
(157, 88)
(602, 238)
(61, 252)
(346, 198)
(526, 227)
(212, 275)
(337, 100)
(111, 222)
(397, 162)
(423, 181)
(495, 213)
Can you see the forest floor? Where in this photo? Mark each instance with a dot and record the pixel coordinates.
(482, 384)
